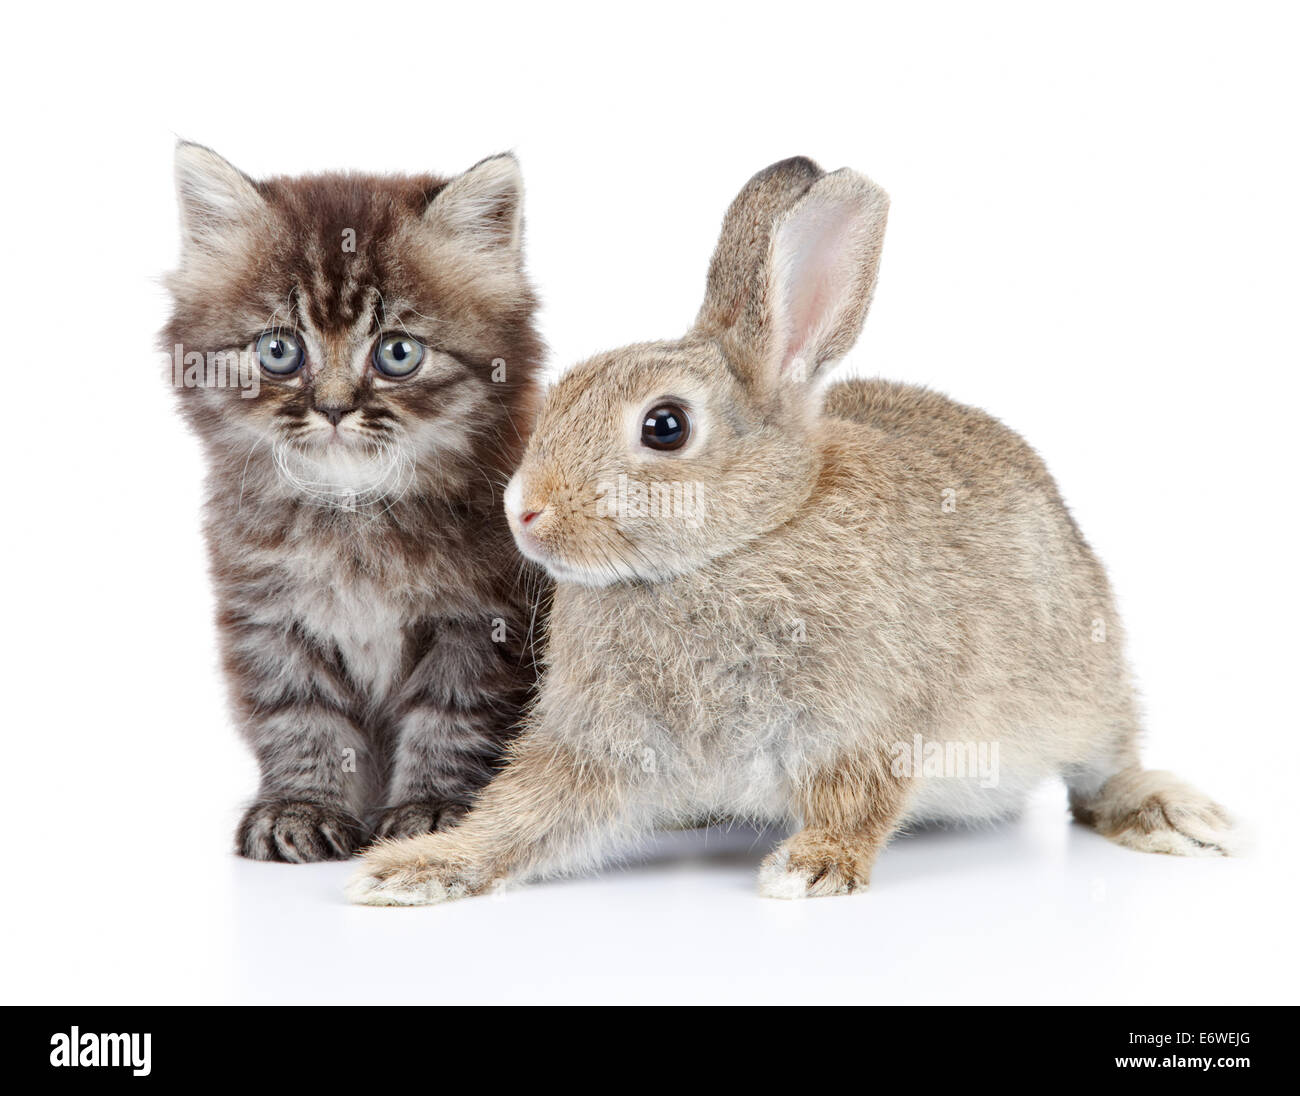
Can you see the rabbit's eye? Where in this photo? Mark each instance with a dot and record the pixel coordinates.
(665, 427)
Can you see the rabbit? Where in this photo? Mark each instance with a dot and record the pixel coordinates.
(832, 582)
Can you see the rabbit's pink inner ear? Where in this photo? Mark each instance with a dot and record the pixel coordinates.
(815, 256)
(822, 270)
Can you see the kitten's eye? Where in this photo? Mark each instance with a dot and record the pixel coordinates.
(665, 427)
(279, 352)
(398, 355)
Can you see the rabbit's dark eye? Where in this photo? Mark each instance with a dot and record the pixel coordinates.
(665, 427)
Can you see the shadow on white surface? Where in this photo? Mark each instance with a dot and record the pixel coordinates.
(1034, 910)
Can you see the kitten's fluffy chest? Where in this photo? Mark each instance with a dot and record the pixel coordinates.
(366, 618)
(362, 585)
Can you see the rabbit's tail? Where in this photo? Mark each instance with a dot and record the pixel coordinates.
(1154, 811)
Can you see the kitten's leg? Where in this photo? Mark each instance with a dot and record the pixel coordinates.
(550, 810)
(294, 697)
(849, 811)
(453, 718)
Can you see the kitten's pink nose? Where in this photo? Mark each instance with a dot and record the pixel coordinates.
(526, 518)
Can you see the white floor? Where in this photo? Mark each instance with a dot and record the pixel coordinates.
(1034, 911)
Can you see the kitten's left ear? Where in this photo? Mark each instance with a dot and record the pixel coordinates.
(483, 208)
(216, 198)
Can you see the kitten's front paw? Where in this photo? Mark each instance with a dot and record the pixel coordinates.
(414, 818)
(398, 873)
(811, 869)
(297, 832)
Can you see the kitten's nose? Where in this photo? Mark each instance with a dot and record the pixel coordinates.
(526, 518)
(334, 414)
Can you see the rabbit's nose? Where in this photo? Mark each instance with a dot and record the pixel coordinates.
(521, 509)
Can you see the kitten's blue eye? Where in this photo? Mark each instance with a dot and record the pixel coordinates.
(398, 355)
(279, 352)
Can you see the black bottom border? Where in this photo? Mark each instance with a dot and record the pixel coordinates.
(595, 1047)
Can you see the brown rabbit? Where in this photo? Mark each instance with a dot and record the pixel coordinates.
(781, 607)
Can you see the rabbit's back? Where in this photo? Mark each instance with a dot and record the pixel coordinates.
(959, 436)
(1004, 599)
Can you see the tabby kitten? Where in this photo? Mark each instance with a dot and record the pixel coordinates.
(376, 622)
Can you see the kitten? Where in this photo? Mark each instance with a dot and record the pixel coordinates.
(377, 624)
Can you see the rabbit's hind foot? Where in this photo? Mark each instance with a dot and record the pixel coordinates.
(1153, 811)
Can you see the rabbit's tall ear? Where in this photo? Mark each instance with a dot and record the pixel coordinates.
(812, 299)
(217, 200)
(483, 208)
(741, 253)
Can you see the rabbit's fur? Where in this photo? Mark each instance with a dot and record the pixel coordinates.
(869, 567)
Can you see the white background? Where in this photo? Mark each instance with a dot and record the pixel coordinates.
(1093, 235)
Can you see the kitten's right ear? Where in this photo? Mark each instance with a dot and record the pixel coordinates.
(215, 196)
(483, 208)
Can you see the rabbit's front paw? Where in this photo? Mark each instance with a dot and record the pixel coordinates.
(409, 873)
(813, 865)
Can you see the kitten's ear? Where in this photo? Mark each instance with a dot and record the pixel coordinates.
(483, 208)
(807, 305)
(216, 198)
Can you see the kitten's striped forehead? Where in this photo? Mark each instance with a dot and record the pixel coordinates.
(341, 244)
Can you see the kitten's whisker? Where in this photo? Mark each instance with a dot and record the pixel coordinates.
(243, 474)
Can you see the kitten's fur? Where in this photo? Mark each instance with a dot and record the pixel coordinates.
(376, 622)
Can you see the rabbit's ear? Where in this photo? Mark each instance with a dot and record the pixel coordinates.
(741, 254)
(821, 272)
(484, 207)
(794, 270)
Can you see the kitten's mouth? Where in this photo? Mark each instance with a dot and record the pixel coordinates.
(358, 473)
(334, 438)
